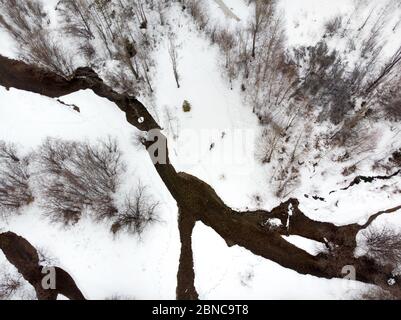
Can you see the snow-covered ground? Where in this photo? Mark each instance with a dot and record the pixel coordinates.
(102, 266)
(215, 141)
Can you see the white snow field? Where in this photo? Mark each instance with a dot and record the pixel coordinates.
(215, 142)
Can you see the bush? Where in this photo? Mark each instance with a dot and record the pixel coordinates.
(78, 175)
(198, 13)
(383, 245)
(392, 108)
(186, 106)
(138, 212)
(327, 81)
(376, 293)
(14, 178)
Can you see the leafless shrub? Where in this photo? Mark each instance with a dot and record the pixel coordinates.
(247, 277)
(375, 293)
(27, 23)
(326, 81)
(138, 139)
(390, 100)
(395, 158)
(88, 51)
(121, 80)
(116, 29)
(77, 15)
(139, 211)
(9, 285)
(14, 178)
(390, 68)
(287, 179)
(333, 25)
(371, 43)
(46, 258)
(347, 171)
(263, 13)
(173, 54)
(197, 12)
(383, 245)
(171, 123)
(269, 140)
(257, 200)
(77, 175)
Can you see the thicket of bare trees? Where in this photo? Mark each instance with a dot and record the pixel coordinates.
(173, 54)
(383, 244)
(138, 211)
(71, 178)
(9, 284)
(114, 31)
(15, 191)
(290, 89)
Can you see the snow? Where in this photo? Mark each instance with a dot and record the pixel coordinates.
(223, 272)
(102, 266)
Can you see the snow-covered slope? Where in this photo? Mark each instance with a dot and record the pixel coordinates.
(102, 265)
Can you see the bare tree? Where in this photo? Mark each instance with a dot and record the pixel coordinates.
(104, 30)
(383, 245)
(171, 123)
(376, 293)
(196, 10)
(391, 101)
(139, 210)
(263, 11)
(173, 54)
(9, 285)
(269, 139)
